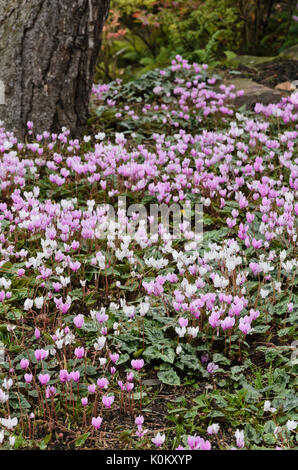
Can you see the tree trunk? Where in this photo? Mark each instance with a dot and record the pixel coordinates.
(48, 53)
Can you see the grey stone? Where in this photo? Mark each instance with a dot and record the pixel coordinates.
(253, 93)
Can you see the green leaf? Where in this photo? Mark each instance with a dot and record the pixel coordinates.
(82, 439)
(169, 377)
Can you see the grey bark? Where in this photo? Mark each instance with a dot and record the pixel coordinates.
(48, 53)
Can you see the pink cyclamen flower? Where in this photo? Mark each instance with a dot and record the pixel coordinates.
(137, 364)
(211, 368)
(28, 378)
(64, 376)
(108, 401)
(91, 389)
(96, 422)
(114, 357)
(50, 391)
(24, 363)
(103, 383)
(205, 445)
(139, 420)
(75, 375)
(130, 376)
(129, 386)
(44, 379)
(79, 321)
(194, 442)
(79, 352)
(41, 354)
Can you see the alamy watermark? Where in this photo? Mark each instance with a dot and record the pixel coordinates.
(181, 221)
(294, 355)
(2, 93)
(2, 353)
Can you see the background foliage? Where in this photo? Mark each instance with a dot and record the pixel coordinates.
(144, 34)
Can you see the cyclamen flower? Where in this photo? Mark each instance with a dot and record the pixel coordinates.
(139, 420)
(102, 317)
(91, 389)
(213, 429)
(211, 367)
(75, 375)
(183, 322)
(291, 425)
(103, 383)
(137, 364)
(205, 445)
(239, 438)
(64, 376)
(159, 439)
(193, 331)
(44, 378)
(3, 396)
(96, 422)
(114, 357)
(28, 378)
(144, 308)
(41, 354)
(79, 352)
(7, 383)
(196, 443)
(38, 302)
(100, 342)
(84, 401)
(108, 401)
(244, 326)
(227, 323)
(50, 391)
(180, 331)
(24, 363)
(28, 304)
(79, 321)
(9, 423)
(267, 407)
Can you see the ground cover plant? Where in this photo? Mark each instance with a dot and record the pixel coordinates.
(117, 336)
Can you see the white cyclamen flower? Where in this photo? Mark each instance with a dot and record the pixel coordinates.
(213, 429)
(28, 304)
(38, 302)
(291, 425)
(9, 423)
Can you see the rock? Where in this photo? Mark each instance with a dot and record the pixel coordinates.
(252, 61)
(151, 382)
(285, 86)
(290, 53)
(253, 93)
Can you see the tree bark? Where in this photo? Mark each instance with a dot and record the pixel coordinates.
(48, 53)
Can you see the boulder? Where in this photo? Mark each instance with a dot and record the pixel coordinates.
(286, 86)
(253, 93)
(290, 53)
(251, 61)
